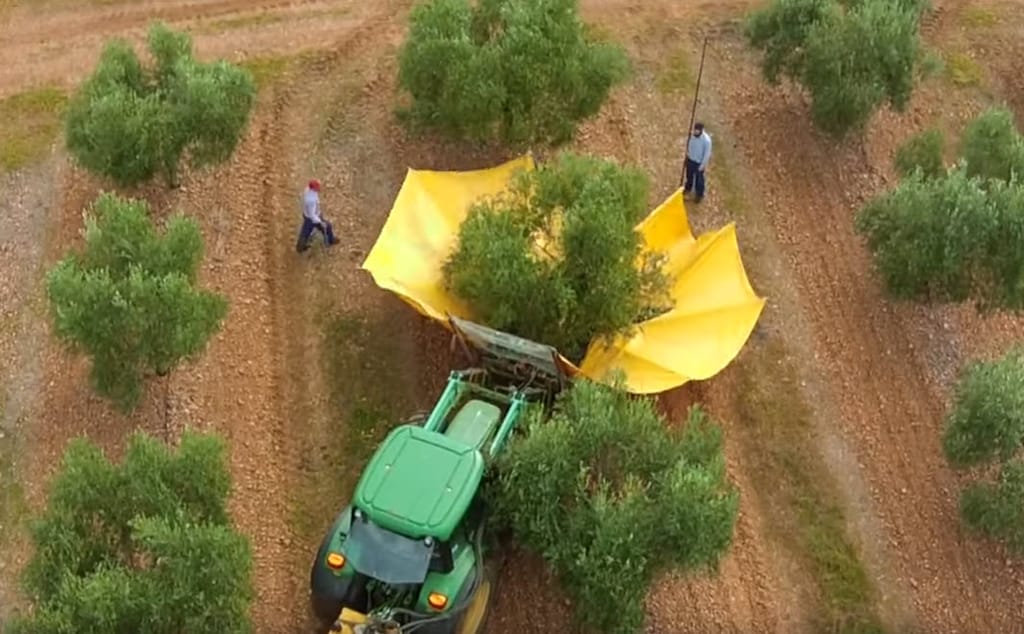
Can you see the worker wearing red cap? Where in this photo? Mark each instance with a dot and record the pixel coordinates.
(312, 220)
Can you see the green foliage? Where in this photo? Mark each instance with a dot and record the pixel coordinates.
(992, 147)
(923, 151)
(997, 510)
(931, 64)
(129, 300)
(555, 259)
(782, 31)
(128, 123)
(851, 59)
(954, 236)
(525, 71)
(141, 546)
(987, 418)
(609, 496)
(948, 240)
(987, 423)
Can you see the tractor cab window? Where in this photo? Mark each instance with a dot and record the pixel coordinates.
(385, 555)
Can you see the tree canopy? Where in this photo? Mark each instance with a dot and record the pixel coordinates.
(129, 123)
(141, 546)
(955, 236)
(986, 425)
(992, 148)
(996, 509)
(523, 71)
(923, 151)
(555, 259)
(852, 57)
(987, 418)
(129, 298)
(609, 496)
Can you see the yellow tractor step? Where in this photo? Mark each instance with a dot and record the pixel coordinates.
(347, 619)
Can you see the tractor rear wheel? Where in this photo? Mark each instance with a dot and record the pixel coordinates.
(473, 619)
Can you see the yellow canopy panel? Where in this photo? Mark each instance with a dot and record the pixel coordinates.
(714, 307)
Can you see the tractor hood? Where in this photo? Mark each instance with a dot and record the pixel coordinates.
(420, 483)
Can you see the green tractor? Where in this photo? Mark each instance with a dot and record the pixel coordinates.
(406, 554)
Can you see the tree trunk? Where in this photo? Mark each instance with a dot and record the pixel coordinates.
(167, 409)
(171, 174)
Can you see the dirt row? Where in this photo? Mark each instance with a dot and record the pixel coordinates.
(61, 47)
(885, 368)
(311, 347)
(254, 369)
(878, 374)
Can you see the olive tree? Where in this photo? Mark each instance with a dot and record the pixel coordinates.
(555, 258)
(524, 71)
(987, 417)
(955, 236)
(851, 57)
(986, 424)
(922, 151)
(128, 122)
(129, 299)
(991, 146)
(609, 496)
(996, 509)
(141, 546)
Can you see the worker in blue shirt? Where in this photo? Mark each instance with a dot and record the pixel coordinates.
(698, 153)
(312, 220)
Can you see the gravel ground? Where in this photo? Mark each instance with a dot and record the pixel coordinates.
(881, 371)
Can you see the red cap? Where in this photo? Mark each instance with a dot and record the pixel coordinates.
(314, 185)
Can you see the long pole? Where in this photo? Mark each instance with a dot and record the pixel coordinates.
(693, 111)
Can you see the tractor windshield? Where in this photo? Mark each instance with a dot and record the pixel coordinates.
(385, 555)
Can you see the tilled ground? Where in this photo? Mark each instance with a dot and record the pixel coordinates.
(881, 371)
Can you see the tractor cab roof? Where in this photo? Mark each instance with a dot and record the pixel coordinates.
(420, 483)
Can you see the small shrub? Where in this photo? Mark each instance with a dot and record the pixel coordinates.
(266, 70)
(129, 298)
(851, 59)
(997, 510)
(947, 240)
(980, 17)
(987, 418)
(525, 71)
(992, 147)
(555, 260)
(609, 496)
(143, 546)
(962, 70)
(923, 152)
(931, 64)
(129, 123)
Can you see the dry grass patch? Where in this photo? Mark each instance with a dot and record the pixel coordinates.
(29, 123)
(962, 70)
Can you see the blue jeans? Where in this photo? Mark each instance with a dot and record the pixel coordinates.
(306, 233)
(693, 173)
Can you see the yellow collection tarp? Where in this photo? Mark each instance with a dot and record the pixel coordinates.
(714, 307)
